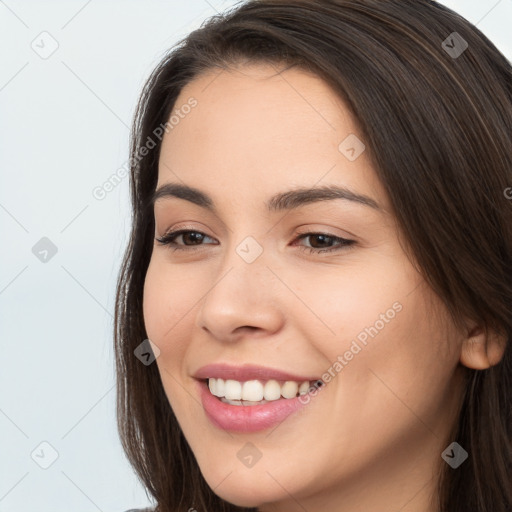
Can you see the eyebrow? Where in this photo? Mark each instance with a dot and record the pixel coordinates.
(288, 200)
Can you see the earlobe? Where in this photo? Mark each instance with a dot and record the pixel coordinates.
(481, 350)
(496, 348)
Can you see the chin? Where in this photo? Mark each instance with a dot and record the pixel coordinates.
(245, 489)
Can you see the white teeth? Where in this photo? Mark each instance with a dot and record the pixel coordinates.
(233, 390)
(303, 388)
(220, 387)
(254, 392)
(289, 389)
(272, 390)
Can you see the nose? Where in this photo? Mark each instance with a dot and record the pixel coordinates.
(243, 301)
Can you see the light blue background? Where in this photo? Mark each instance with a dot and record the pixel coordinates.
(64, 129)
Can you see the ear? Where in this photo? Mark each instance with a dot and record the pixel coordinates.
(482, 349)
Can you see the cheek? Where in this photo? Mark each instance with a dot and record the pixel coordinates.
(352, 304)
(167, 303)
(385, 340)
(154, 305)
(403, 367)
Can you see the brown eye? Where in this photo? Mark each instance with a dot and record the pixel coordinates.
(194, 237)
(324, 240)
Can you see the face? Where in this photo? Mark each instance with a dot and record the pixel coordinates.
(314, 287)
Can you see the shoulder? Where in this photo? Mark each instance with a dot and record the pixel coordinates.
(141, 510)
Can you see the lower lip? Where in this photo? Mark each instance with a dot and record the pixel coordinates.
(246, 418)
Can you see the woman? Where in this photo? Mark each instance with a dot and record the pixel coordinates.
(313, 312)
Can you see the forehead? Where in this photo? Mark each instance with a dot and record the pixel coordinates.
(259, 129)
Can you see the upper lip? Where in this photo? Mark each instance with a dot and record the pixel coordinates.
(247, 372)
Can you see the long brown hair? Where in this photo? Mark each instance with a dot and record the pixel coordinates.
(437, 126)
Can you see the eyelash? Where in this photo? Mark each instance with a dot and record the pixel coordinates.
(168, 239)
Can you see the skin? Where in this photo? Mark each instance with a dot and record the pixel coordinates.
(372, 438)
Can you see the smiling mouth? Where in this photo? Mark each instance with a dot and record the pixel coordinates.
(253, 405)
(257, 392)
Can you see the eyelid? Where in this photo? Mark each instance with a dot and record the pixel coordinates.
(316, 228)
(310, 229)
(188, 227)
